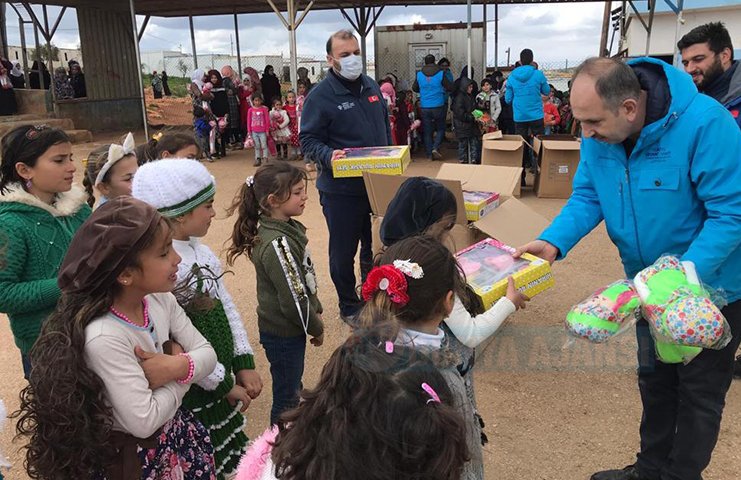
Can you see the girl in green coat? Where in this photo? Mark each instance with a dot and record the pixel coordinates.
(40, 210)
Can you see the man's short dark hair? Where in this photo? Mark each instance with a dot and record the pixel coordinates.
(343, 34)
(526, 57)
(714, 34)
(429, 59)
(614, 80)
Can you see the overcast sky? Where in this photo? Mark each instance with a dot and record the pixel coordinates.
(555, 32)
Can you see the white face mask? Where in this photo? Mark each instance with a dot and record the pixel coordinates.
(351, 67)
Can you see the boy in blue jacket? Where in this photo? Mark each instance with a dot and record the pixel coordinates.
(661, 165)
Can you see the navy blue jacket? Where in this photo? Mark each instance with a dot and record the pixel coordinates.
(333, 118)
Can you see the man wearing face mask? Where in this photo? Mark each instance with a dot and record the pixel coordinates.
(707, 55)
(344, 110)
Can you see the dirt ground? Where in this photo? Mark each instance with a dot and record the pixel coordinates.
(551, 412)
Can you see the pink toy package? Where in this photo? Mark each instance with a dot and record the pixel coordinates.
(488, 263)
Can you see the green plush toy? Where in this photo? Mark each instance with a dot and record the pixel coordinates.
(605, 313)
(683, 319)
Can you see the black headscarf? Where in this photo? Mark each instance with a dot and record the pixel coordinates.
(420, 203)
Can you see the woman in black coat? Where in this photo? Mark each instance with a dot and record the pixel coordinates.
(219, 107)
(270, 86)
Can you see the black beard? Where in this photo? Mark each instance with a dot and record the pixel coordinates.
(711, 74)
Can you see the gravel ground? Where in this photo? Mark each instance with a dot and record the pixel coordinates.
(553, 411)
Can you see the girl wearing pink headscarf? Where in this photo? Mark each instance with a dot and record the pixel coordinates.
(389, 95)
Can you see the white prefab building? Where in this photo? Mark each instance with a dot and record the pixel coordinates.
(664, 32)
(401, 49)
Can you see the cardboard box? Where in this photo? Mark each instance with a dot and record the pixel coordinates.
(488, 263)
(501, 150)
(512, 222)
(478, 204)
(391, 160)
(558, 159)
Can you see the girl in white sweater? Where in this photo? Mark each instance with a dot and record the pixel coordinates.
(115, 359)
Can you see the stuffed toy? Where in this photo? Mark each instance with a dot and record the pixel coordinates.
(679, 310)
(604, 314)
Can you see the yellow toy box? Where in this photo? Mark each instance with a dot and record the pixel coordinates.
(488, 263)
(391, 160)
(478, 204)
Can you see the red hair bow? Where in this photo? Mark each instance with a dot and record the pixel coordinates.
(389, 279)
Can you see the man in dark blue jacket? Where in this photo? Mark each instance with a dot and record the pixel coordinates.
(344, 110)
(660, 165)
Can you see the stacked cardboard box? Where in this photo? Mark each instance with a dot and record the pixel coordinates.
(558, 159)
(512, 222)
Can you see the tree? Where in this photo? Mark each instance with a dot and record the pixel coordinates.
(183, 68)
(46, 51)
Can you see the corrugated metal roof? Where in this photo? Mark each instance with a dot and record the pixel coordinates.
(183, 8)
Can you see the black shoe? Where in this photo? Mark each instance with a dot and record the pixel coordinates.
(737, 367)
(628, 473)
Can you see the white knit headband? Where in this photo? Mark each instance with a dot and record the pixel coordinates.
(115, 153)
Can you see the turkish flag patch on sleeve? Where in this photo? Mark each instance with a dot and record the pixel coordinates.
(373, 98)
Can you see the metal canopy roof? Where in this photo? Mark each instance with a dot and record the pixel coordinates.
(184, 8)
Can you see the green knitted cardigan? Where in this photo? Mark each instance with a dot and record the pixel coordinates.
(34, 238)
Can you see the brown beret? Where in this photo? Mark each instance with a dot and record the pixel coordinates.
(108, 241)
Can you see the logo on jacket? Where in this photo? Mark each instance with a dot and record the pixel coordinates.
(346, 106)
(373, 98)
(658, 154)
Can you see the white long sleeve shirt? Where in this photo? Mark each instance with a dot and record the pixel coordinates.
(470, 330)
(109, 352)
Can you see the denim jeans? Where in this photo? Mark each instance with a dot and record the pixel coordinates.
(261, 145)
(433, 118)
(469, 150)
(683, 405)
(286, 358)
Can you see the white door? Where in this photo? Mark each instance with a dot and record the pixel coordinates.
(418, 52)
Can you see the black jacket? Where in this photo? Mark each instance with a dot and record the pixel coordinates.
(463, 106)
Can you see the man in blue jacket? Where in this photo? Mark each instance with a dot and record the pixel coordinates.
(433, 87)
(524, 87)
(344, 110)
(661, 165)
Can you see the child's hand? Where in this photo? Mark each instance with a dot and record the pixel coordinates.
(514, 295)
(317, 341)
(161, 369)
(238, 394)
(250, 380)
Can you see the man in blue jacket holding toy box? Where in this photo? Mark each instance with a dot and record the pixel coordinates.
(661, 165)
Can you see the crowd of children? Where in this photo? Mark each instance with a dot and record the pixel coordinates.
(137, 340)
(233, 114)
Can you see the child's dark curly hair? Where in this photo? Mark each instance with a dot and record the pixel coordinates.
(369, 418)
(64, 414)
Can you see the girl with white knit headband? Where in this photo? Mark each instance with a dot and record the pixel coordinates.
(183, 191)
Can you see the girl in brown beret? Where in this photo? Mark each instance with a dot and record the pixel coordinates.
(115, 359)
